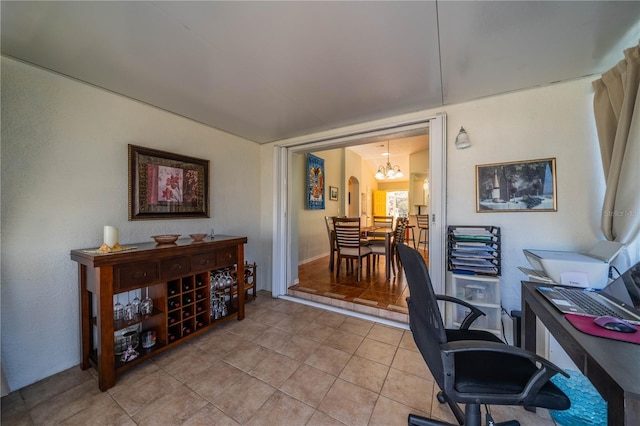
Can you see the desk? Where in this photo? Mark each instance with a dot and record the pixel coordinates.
(387, 233)
(612, 366)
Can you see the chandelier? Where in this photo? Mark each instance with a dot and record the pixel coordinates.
(388, 171)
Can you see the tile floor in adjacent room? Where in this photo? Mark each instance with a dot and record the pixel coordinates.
(285, 364)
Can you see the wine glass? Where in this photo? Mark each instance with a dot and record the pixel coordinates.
(146, 306)
(136, 305)
(221, 281)
(223, 305)
(128, 309)
(118, 309)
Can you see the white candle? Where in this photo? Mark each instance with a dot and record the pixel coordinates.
(110, 235)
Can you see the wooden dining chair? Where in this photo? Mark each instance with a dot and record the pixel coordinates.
(348, 241)
(398, 238)
(333, 248)
(383, 221)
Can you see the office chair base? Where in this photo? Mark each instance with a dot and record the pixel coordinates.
(415, 420)
(472, 418)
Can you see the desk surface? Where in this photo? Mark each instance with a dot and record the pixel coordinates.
(612, 366)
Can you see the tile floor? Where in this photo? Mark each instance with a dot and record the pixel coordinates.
(285, 364)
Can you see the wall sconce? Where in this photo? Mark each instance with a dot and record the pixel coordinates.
(462, 140)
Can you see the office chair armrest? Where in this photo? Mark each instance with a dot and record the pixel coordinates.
(483, 345)
(545, 371)
(473, 314)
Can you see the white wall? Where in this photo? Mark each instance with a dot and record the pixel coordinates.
(552, 121)
(64, 176)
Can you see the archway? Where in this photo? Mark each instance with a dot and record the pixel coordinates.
(353, 197)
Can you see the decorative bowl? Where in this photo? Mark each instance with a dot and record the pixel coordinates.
(198, 237)
(166, 239)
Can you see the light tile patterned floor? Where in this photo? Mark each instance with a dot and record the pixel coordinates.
(285, 364)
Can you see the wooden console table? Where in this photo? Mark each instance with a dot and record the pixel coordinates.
(175, 276)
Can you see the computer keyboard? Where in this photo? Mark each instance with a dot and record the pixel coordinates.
(587, 304)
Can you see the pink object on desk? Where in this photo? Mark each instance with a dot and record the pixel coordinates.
(586, 325)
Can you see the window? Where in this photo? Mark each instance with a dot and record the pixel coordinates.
(397, 203)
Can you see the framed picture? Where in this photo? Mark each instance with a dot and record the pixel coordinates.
(163, 185)
(333, 193)
(522, 186)
(315, 182)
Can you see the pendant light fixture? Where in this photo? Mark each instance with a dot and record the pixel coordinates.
(388, 171)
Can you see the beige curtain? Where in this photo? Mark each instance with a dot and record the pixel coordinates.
(617, 114)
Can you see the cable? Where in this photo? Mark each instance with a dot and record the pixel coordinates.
(504, 312)
(488, 419)
(617, 272)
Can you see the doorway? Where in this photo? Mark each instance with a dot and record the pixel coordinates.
(353, 198)
(285, 264)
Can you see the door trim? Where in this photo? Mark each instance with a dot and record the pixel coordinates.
(282, 261)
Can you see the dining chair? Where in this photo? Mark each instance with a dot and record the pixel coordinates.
(383, 221)
(333, 248)
(364, 240)
(377, 243)
(410, 235)
(348, 241)
(378, 246)
(398, 238)
(423, 226)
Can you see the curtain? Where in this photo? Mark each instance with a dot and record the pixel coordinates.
(617, 115)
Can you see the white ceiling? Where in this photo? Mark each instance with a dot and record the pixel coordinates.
(399, 148)
(273, 70)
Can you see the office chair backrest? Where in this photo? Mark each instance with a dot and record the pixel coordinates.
(424, 314)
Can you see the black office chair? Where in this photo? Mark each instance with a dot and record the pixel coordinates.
(472, 367)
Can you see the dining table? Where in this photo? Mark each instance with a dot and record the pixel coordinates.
(386, 233)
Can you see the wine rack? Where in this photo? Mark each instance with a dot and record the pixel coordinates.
(249, 281)
(187, 306)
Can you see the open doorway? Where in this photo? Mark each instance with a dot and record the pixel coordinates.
(351, 202)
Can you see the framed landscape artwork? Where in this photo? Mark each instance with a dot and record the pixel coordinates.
(163, 185)
(522, 186)
(315, 182)
(333, 193)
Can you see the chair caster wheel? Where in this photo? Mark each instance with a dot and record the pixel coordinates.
(440, 397)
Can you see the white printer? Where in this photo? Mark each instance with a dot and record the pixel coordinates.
(589, 269)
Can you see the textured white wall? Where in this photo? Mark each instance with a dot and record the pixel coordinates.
(553, 121)
(64, 176)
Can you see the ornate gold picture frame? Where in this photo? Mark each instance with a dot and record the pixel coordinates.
(163, 185)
